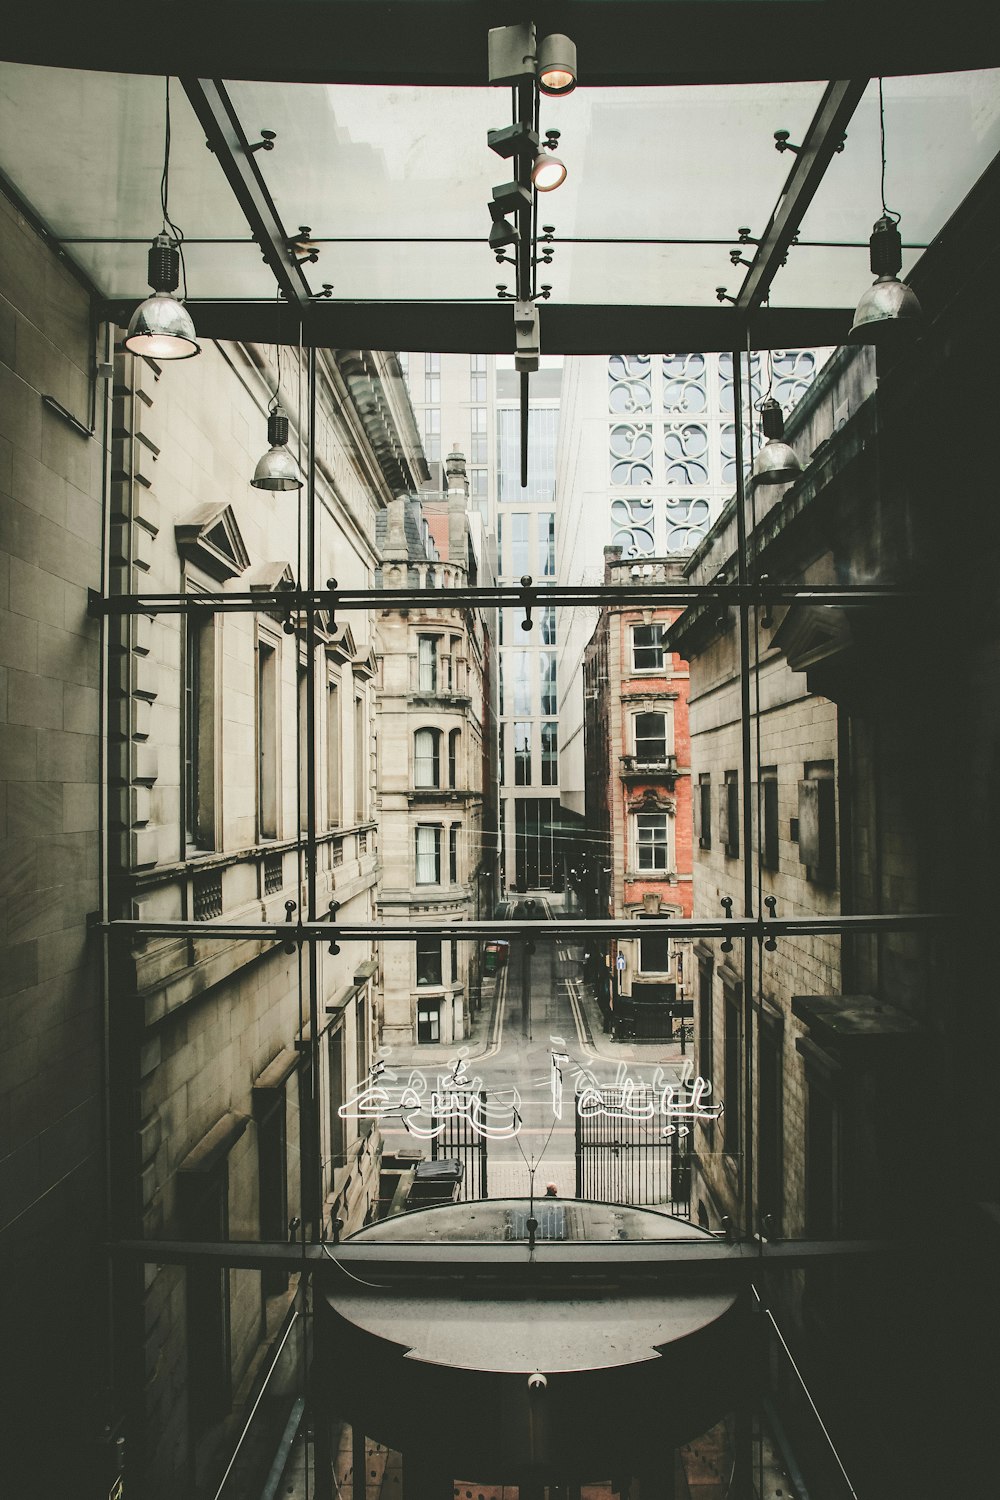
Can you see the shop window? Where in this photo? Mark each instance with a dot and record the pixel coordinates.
(428, 960)
(647, 648)
(426, 758)
(429, 1021)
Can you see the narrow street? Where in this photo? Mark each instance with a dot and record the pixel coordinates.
(537, 1004)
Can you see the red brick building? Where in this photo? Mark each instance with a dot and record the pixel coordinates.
(638, 799)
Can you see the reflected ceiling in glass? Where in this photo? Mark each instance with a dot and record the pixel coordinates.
(394, 183)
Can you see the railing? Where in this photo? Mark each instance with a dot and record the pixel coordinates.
(207, 891)
(273, 1415)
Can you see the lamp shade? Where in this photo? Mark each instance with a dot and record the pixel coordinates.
(277, 470)
(161, 328)
(548, 172)
(888, 313)
(776, 462)
(556, 65)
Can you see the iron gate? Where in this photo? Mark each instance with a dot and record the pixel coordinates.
(624, 1156)
(460, 1141)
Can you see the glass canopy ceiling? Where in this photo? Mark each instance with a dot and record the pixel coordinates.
(394, 183)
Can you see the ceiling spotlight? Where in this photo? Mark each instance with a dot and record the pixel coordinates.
(503, 234)
(277, 470)
(161, 327)
(556, 64)
(513, 140)
(776, 462)
(888, 312)
(548, 171)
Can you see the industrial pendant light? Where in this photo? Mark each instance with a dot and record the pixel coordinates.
(776, 461)
(888, 314)
(277, 470)
(161, 327)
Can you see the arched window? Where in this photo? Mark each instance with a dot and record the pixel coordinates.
(426, 758)
(453, 742)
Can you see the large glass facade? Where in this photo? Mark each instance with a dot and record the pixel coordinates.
(664, 1076)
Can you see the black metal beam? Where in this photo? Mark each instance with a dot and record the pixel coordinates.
(636, 593)
(486, 327)
(822, 139)
(567, 929)
(416, 1260)
(225, 136)
(443, 42)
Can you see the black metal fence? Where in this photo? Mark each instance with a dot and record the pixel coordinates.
(460, 1141)
(623, 1154)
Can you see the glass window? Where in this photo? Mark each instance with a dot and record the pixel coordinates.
(267, 740)
(520, 555)
(769, 796)
(732, 1072)
(428, 850)
(432, 433)
(454, 739)
(427, 663)
(703, 812)
(429, 1021)
(547, 544)
(428, 960)
(522, 754)
(647, 648)
(650, 738)
(361, 758)
(543, 430)
(550, 754)
(651, 841)
(729, 815)
(547, 672)
(453, 856)
(654, 954)
(480, 450)
(199, 731)
(520, 664)
(426, 763)
(333, 813)
(479, 485)
(547, 627)
(477, 377)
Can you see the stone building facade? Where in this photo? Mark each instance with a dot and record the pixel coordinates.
(221, 1102)
(435, 768)
(636, 856)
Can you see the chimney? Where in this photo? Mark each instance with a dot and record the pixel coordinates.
(458, 495)
(395, 549)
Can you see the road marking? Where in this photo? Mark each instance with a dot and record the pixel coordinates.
(574, 1005)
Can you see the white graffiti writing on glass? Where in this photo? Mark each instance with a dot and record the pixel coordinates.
(493, 1115)
(679, 1103)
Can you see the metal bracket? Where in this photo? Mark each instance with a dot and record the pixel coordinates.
(266, 142)
(290, 907)
(727, 905)
(771, 943)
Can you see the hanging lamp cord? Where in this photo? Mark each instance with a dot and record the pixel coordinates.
(168, 223)
(890, 213)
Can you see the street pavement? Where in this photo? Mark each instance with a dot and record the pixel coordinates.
(536, 997)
